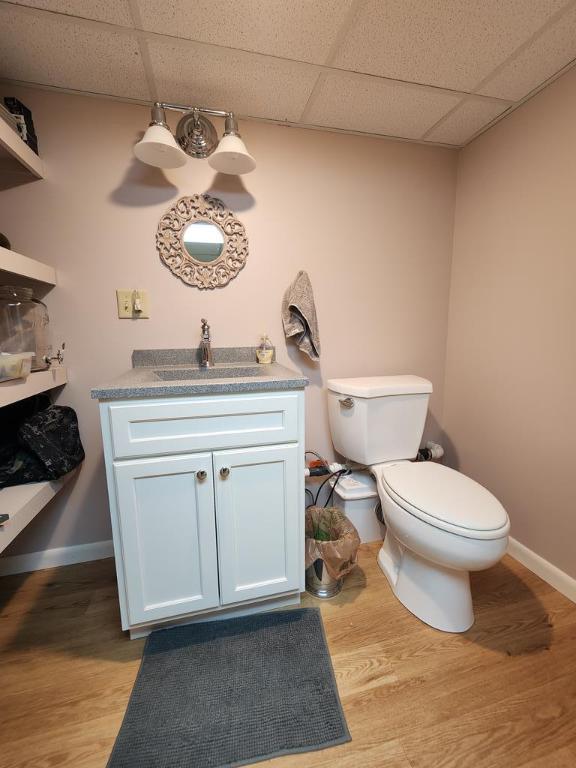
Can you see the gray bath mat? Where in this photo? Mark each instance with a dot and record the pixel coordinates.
(232, 692)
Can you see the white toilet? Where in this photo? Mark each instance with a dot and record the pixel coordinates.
(440, 524)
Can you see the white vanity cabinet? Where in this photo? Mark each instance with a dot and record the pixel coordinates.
(207, 504)
(168, 533)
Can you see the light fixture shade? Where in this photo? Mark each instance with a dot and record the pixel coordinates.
(231, 156)
(158, 147)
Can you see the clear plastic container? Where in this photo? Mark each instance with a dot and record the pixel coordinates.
(24, 325)
(15, 366)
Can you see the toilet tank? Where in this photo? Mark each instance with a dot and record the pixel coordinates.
(378, 418)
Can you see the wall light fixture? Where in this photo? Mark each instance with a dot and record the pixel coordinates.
(195, 137)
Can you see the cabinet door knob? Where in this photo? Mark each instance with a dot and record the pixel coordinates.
(201, 475)
(224, 472)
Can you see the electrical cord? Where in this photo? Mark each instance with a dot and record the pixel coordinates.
(307, 490)
(322, 484)
(339, 472)
(322, 459)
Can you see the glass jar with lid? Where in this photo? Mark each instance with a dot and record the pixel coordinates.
(24, 324)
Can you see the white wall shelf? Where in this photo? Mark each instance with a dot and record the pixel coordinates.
(40, 381)
(12, 146)
(13, 264)
(22, 503)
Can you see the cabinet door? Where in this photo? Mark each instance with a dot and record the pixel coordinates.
(168, 532)
(258, 520)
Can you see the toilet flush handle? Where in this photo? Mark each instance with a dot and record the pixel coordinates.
(347, 403)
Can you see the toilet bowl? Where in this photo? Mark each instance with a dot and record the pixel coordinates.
(440, 524)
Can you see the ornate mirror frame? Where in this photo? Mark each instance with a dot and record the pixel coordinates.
(170, 245)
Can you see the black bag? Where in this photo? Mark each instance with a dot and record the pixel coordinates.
(45, 446)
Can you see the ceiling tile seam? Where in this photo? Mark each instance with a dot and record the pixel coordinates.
(353, 132)
(349, 73)
(266, 120)
(148, 69)
(183, 41)
(144, 51)
(134, 34)
(550, 22)
(347, 24)
(445, 117)
(516, 105)
(74, 91)
(490, 123)
(316, 88)
(554, 19)
(347, 132)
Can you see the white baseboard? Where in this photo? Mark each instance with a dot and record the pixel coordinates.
(98, 550)
(51, 558)
(550, 573)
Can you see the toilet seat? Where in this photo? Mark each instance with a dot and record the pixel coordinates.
(445, 499)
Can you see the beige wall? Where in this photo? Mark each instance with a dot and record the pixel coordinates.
(510, 407)
(370, 220)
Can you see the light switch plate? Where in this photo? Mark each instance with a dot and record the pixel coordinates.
(128, 299)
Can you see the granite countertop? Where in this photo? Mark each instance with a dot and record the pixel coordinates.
(167, 373)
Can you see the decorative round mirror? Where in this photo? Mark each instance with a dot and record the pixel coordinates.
(202, 242)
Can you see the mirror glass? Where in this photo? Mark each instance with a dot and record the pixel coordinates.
(203, 240)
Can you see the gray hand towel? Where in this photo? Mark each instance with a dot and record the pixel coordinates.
(299, 316)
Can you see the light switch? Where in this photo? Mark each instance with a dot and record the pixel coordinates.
(133, 303)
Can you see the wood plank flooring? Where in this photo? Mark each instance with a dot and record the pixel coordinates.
(502, 695)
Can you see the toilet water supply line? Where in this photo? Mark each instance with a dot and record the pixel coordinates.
(431, 452)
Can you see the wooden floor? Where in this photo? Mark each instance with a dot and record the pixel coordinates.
(502, 695)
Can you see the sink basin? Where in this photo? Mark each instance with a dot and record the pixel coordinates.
(219, 372)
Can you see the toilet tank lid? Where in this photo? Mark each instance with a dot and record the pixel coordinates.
(381, 386)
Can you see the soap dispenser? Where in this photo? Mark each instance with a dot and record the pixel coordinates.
(265, 351)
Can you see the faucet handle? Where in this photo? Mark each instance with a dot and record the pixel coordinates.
(205, 331)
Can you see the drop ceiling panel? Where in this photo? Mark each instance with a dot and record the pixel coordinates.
(546, 55)
(448, 43)
(112, 11)
(377, 106)
(387, 67)
(56, 50)
(294, 29)
(249, 84)
(470, 116)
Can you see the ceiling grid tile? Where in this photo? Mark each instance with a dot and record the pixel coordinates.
(537, 60)
(248, 84)
(70, 53)
(447, 43)
(300, 30)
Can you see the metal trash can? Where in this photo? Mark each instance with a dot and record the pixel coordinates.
(331, 550)
(319, 582)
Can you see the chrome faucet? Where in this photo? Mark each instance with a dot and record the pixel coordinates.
(206, 359)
